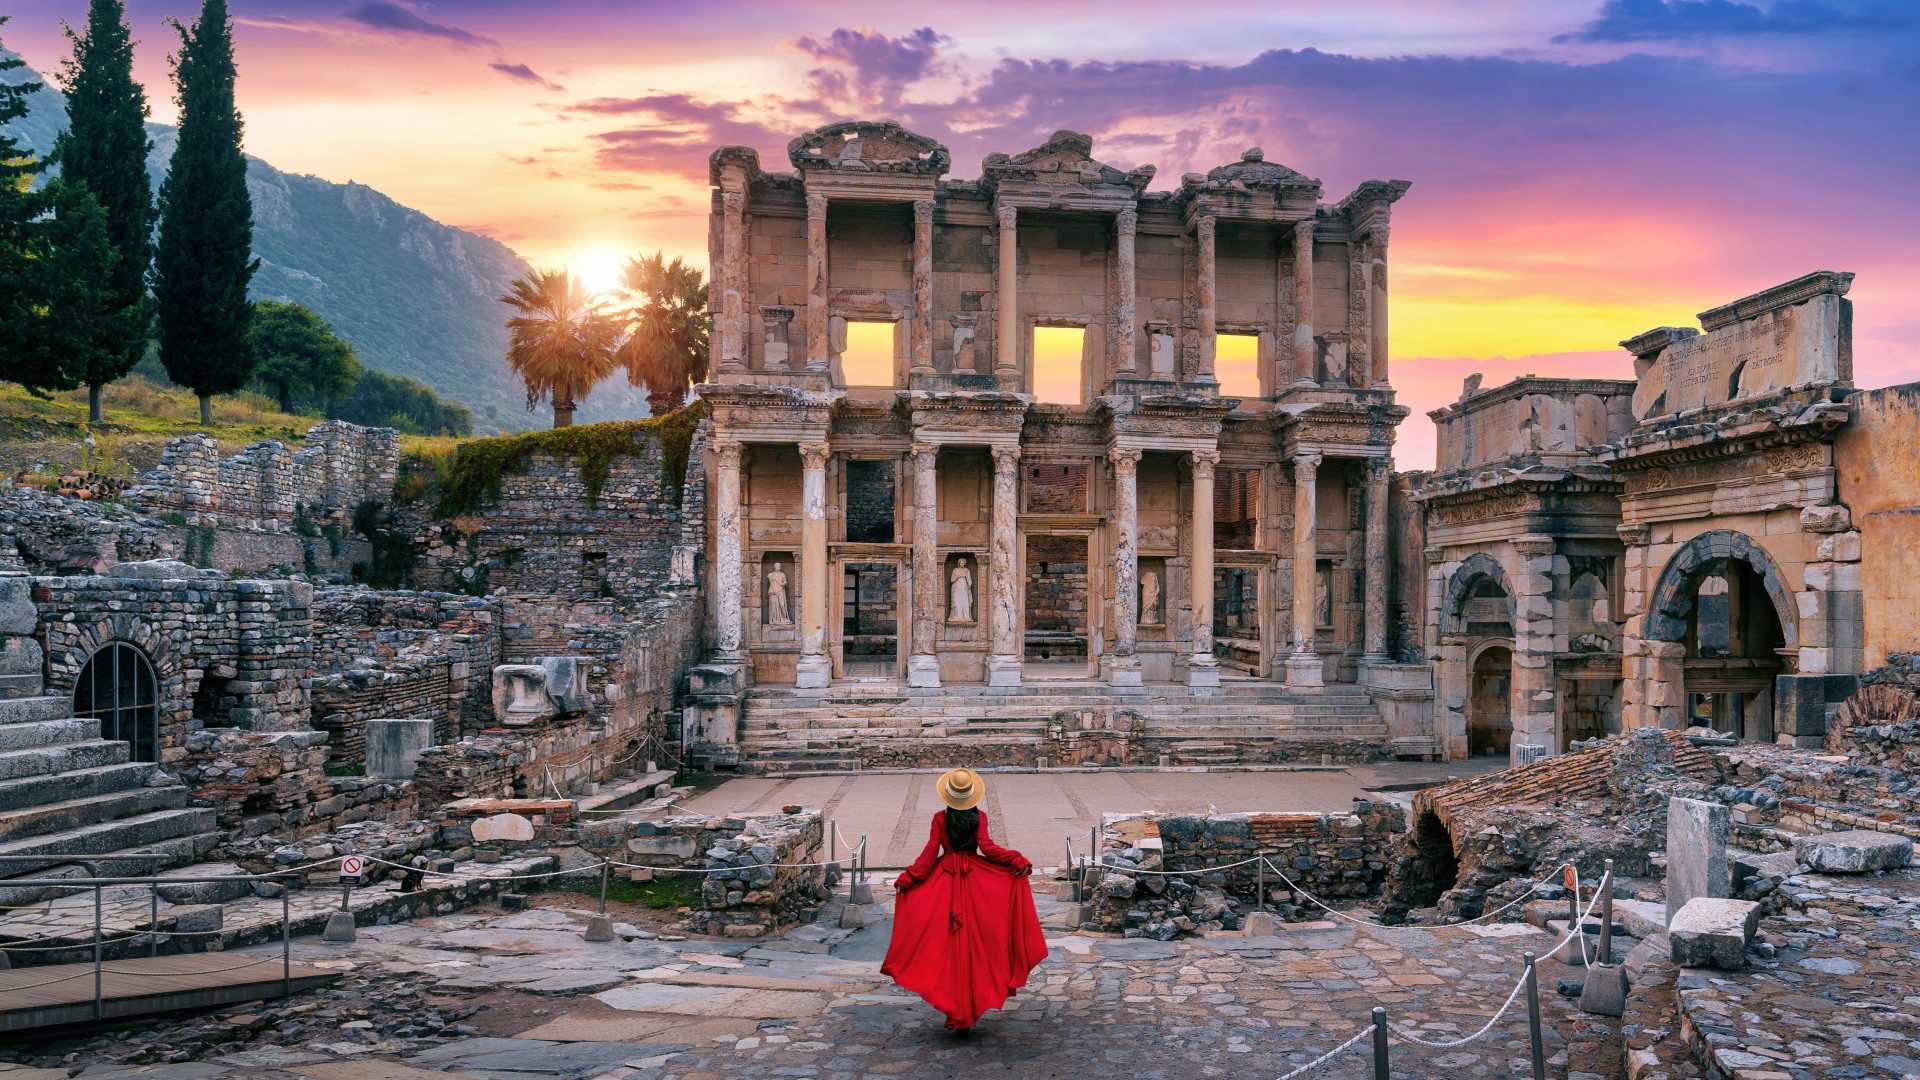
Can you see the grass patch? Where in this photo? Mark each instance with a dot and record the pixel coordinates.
(466, 479)
(660, 894)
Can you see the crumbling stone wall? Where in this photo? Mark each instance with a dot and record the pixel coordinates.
(254, 637)
(268, 486)
(746, 897)
(47, 533)
(401, 655)
(275, 783)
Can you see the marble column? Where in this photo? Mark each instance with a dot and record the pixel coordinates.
(1304, 669)
(1303, 352)
(1359, 314)
(923, 665)
(1203, 231)
(727, 529)
(922, 352)
(1125, 284)
(1202, 668)
(1379, 305)
(816, 282)
(1003, 663)
(813, 670)
(733, 283)
(1006, 345)
(1379, 474)
(1533, 706)
(1122, 663)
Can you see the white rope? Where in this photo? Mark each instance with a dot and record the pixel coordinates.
(1531, 889)
(1180, 873)
(1329, 1055)
(197, 971)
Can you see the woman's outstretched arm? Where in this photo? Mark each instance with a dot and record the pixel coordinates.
(1000, 856)
(922, 866)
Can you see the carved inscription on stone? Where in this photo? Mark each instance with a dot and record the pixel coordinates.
(1784, 347)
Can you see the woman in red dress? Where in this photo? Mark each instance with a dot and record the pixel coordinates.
(965, 933)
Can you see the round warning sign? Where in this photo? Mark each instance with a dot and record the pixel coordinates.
(351, 868)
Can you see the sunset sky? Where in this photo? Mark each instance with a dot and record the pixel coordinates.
(1582, 170)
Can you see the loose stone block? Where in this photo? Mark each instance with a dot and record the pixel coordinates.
(393, 746)
(1856, 851)
(502, 827)
(1696, 853)
(1712, 932)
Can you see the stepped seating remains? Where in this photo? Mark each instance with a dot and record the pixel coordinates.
(65, 792)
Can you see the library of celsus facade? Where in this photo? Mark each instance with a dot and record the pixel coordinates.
(1046, 467)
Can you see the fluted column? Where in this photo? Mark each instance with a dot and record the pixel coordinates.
(1003, 663)
(923, 286)
(1379, 474)
(1303, 358)
(726, 571)
(1380, 305)
(923, 666)
(1006, 347)
(733, 282)
(816, 282)
(1303, 664)
(1202, 668)
(1205, 290)
(1359, 314)
(1125, 226)
(1123, 666)
(813, 670)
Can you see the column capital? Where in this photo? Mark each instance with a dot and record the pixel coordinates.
(1307, 459)
(923, 453)
(1303, 228)
(1005, 457)
(1204, 462)
(813, 455)
(1007, 215)
(734, 202)
(1124, 459)
(1126, 221)
(1204, 221)
(816, 204)
(1379, 467)
(923, 211)
(727, 452)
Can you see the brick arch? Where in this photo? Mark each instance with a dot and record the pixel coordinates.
(1673, 593)
(1476, 566)
(71, 645)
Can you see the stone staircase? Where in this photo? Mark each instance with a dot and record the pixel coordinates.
(66, 792)
(783, 729)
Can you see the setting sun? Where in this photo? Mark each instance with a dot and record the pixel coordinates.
(599, 271)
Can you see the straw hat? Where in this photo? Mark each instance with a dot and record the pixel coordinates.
(962, 789)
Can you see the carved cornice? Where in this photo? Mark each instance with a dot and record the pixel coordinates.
(868, 146)
(1786, 294)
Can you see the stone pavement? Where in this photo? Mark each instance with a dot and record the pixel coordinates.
(522, 996)
(1036, 811)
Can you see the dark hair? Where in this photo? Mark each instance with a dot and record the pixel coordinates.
(963, 830)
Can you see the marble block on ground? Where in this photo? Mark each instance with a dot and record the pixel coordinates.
(1713, 932)
(1696, 853)
(1856, 851)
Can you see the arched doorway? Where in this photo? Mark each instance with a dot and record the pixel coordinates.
(117, 687)
(1726, 602)
(1489, 702)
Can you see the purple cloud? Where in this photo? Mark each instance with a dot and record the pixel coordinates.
(869, 65)
(1694, 20)
(397, 20)
(523, 73)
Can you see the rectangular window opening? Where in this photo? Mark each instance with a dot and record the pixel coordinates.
(868, 358)
(1057, 355)
(1236, 364)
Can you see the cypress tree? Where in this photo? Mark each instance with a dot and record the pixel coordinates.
(19, 300)
(104, 149)
(204, 260)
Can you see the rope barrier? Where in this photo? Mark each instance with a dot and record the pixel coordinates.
(50, 982)
(196, 971)
(1329, 1055)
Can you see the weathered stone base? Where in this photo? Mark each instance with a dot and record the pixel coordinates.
(1003, 671)
(1305, 671)
(812, 673)
(923, 672)
(1203, 671)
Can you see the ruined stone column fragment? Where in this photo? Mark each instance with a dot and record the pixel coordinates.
(1202, 668)
(813, 670)
(1303, 663)
(923, 666)
(1006, 348)
(1003, 663)
(922, 287)
(816, 282)
(1123, 666)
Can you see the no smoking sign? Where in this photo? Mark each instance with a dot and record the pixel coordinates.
(351, 868)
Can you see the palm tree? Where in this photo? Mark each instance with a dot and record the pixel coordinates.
(561, 343)
(666, 346)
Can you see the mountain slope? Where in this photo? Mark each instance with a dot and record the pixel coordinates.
(415, 297)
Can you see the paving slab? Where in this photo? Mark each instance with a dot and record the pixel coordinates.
(710, 1002)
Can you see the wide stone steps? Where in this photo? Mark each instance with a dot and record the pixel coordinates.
(129, 834)
(61, 757)
(78, 813)
(76, 784)
(29, 710)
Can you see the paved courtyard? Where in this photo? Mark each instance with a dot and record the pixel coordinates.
(521, 995)
(1036, 811)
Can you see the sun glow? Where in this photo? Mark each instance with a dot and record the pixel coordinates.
(598, 271)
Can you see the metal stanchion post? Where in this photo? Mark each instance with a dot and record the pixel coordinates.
(1380, 1044)
(1606, 915)
(98, 1009)
(286, 941)
(1604, 993)
(600, 927)
(1533, 1020)
(1573, 918)
(1259, 882)
(153, 920)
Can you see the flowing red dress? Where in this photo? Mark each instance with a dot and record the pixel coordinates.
(965, 933)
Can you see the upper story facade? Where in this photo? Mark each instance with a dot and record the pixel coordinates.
(865, 269)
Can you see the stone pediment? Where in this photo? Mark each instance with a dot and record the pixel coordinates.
(960, 416)
(867, 146)
(1064, 160)
(1253, 172)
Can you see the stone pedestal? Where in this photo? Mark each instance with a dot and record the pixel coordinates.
(1697, 864)
(1305, 671)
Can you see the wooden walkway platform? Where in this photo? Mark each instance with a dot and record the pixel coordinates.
(57, 994)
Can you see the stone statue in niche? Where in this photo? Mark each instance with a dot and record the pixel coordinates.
(1323, 597)
(779, 610)
(1150, 597)
(960, 594)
